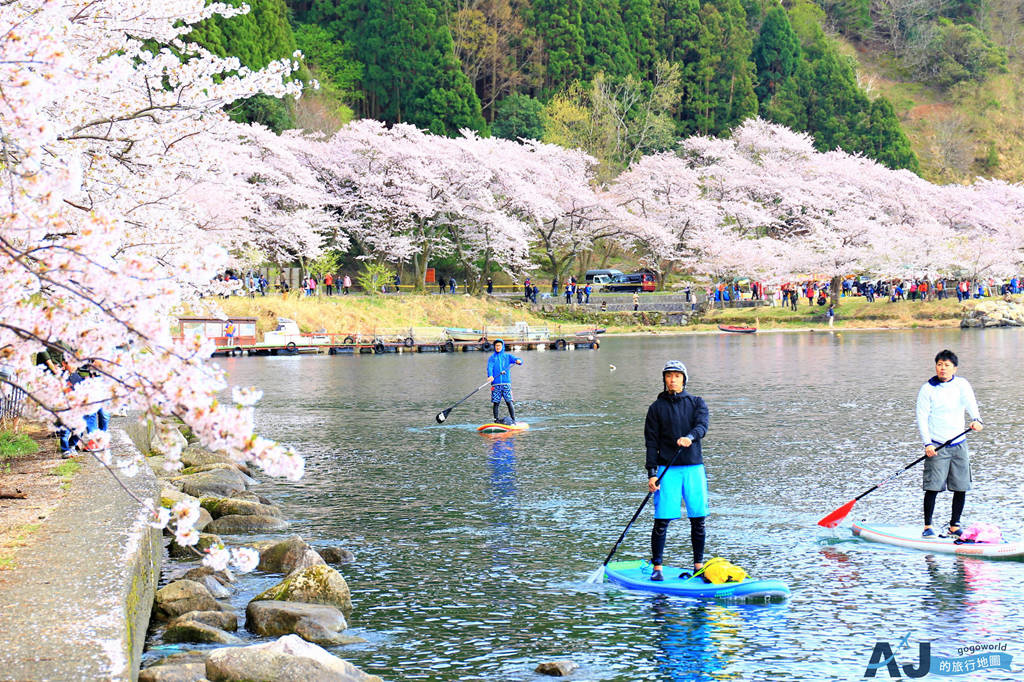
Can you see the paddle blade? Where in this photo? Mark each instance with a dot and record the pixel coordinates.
(836, 517)
(441, 416)
(597, 576)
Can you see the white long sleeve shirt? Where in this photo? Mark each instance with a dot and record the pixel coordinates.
(940, 409)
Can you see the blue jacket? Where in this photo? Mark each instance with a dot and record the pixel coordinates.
(498, 365)
(669, 418)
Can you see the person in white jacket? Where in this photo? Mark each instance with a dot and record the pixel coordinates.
(941, 403)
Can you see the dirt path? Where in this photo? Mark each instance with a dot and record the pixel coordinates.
(30, 475)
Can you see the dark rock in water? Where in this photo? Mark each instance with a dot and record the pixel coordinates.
(556, 668)
(182, 596)
(181, 552)
(195, 456)
(194, 631)
(232, 506)
(204, 520)
(223, 620)
(215, 587)
(317, 623)
(218, 483)
(314, 585)
(287, 556)
(193, 656)
(178, 672)
(225, 577)
(235, 523)
(336, 555)
(289, 659)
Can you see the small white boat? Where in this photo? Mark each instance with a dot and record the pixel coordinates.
(462, 334)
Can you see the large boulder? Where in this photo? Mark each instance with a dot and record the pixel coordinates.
(287, 556)
(182, 552)
(223, 620)
(232, 506)
(218, 482)
(317, 623)
(336, 555)
(194, 631)
(195, 456)
(170, 496)
(225, 577)
(182, 596)
(234, 524)
(289, 659)
(314, 585)
(175, 672)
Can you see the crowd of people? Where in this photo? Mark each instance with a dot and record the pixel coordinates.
(789, 294)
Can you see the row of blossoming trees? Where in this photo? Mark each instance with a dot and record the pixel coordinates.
(126, 188)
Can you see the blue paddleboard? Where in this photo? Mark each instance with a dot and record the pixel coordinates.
(636, 575)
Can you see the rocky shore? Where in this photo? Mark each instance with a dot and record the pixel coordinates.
(307, 610)
(994, 313)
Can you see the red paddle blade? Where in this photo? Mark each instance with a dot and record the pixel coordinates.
(836, 517)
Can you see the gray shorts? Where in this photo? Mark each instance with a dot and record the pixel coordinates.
(949, 469)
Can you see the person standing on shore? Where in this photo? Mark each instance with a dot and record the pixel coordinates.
(941, 403)
(346, 284)
(329, 284)
(675, 424)
(636, 301)
(499, 373)
(831, 315)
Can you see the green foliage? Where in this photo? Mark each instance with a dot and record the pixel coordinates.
(373, 276)
(638, 25)
(851, 17)
(559, 25)
(257, 38)
(961, 52)
(334, 61)
(775, 53)
(410, 70)
(605, 47)
(15, 445)
(519, 116)
(330, 262)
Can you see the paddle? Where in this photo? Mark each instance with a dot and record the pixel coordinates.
(598, 575)
(836, 517)
(441, 416)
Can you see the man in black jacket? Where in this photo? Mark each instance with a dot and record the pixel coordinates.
(676, 423)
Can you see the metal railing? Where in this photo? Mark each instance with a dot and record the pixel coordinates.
(12, 398)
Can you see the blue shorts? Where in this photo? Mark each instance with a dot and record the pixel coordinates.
(501, 392)
(683, 483)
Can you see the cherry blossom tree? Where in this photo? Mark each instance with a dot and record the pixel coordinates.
(110, 118)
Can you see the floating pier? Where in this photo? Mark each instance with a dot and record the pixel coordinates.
(381, 347)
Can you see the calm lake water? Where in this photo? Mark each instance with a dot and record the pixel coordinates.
(472, 551)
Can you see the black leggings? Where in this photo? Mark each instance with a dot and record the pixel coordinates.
(959, 498)
(660, 532)
(511, 410)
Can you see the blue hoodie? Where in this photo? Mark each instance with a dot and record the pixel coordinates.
(498, 364)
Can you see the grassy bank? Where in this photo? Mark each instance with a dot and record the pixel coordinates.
(427, 315)
(851, 313)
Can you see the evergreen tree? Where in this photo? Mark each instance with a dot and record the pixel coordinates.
(410, 71)
(256, 38)
(883, 138)
(638, 24)
(730, 90)
(605, 48)
(559, 25)
(776, 53)
(519, 116)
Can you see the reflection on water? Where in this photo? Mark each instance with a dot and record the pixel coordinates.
(472, 550)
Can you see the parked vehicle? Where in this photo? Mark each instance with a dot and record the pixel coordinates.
(610, 274)
(637, 281)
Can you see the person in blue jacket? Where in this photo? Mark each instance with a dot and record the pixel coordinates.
(498, 373)
(676, 423)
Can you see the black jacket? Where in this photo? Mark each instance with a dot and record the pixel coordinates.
(669, 418)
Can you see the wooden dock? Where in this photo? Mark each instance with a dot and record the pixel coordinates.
(381, 347)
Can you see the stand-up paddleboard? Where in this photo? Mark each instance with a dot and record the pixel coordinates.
(502, 428)
(636, 575)
(910, 537)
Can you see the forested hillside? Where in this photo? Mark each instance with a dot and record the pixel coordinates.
(895, 80)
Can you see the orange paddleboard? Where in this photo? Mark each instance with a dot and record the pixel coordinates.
(502, 428)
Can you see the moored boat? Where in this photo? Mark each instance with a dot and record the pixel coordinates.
(737, 329)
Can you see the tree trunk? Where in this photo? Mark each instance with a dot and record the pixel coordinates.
(837, 281)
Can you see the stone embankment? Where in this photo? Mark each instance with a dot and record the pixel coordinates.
(80, 602)
(306, 610)
(1005, 313)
